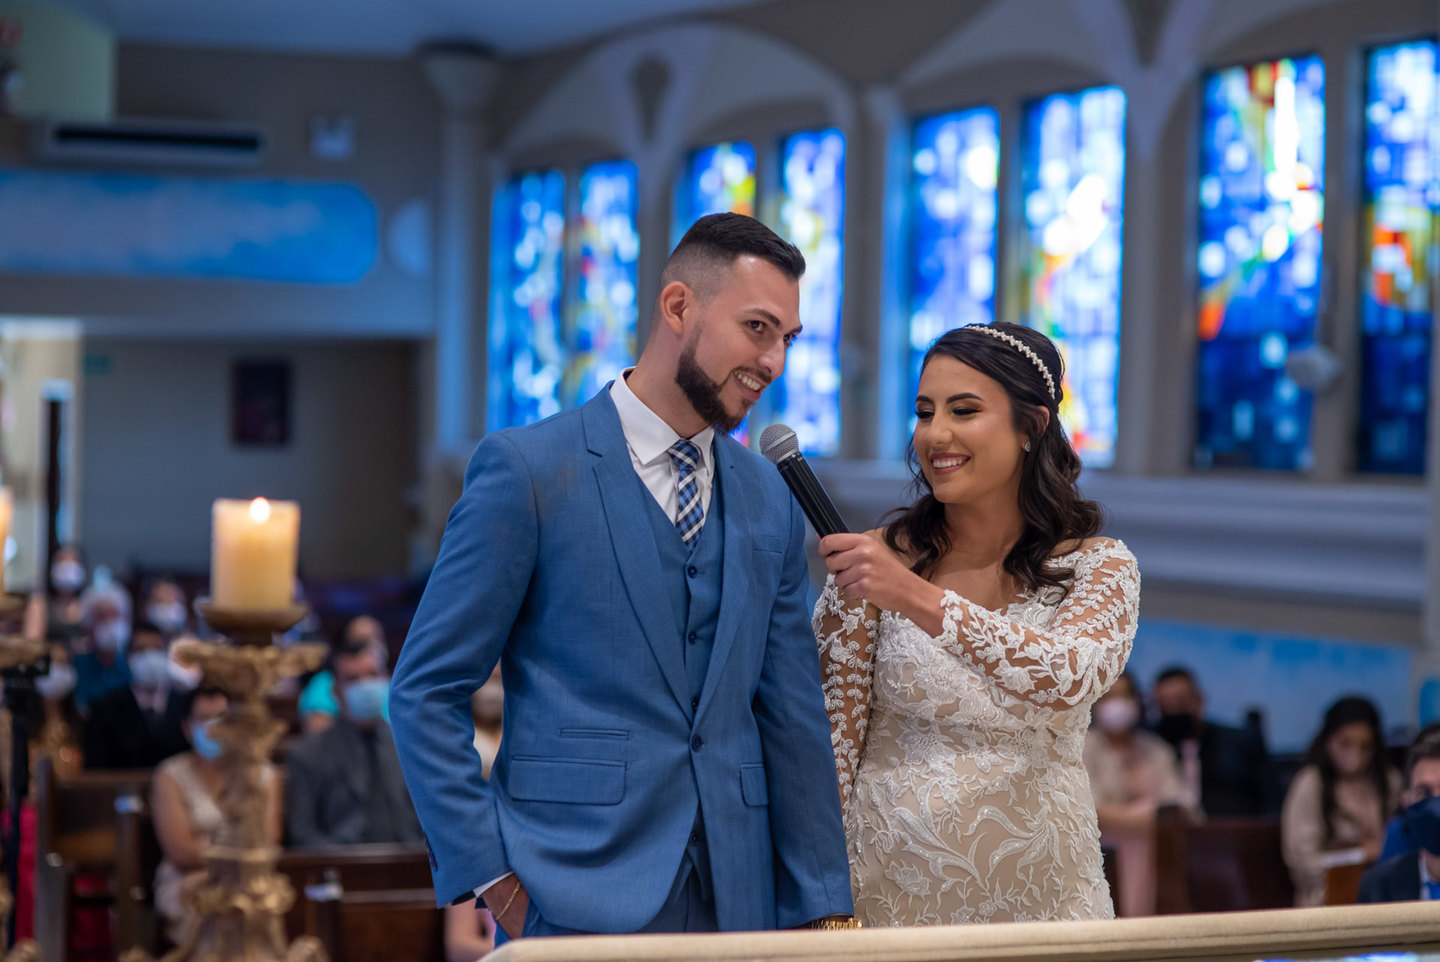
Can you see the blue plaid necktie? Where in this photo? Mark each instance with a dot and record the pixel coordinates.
(690, 517)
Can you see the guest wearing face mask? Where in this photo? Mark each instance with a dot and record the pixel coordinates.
(67, 579)
(140, 725)
(166, 609)
(184, 797)
(1337, 805)
(100, 664)
(1132, 774)
(344, 784)
(1415, 874)
(317, 705)
(1227, 768)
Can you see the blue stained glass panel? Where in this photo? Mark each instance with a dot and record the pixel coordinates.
(1401, 201)
(1073, 178)
(812, 217)
(1262, 190)
(527, 345)
(602, 336)
(717, 179)
(955, 166)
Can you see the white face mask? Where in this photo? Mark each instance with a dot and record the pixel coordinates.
(58, 683)
(112, 635)
(1116, 715)
(168, 616)
(67, 575)
(149, 668)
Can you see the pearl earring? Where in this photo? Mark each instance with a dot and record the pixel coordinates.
(1027, 446)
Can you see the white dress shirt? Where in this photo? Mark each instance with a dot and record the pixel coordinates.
(649, 439)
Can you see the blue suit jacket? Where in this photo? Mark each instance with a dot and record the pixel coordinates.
(549, 566)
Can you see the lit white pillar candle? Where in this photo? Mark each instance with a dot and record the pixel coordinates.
(253, 546)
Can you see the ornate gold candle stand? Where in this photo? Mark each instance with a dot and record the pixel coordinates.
(16, 652)
(240, 904)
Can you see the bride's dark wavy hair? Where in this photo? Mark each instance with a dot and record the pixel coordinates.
(1050, 501)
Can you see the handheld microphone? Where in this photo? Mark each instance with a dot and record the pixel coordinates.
(781, 448)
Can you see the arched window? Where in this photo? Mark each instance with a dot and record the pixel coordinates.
(1073, 180)
(954, 169)
(553, 342)
(1262, 181)
(812, 217)
(1402, 197)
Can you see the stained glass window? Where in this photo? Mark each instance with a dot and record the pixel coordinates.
(602, 338)
(812, 217)
(527, 346)
(1262, 181)
(718, 178)
(1402, 198)
(1073, 178)
(955, 164)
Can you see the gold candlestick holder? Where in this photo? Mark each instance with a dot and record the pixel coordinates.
(239, 905)
(16, 652)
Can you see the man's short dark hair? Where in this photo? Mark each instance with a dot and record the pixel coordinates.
(345, 648)
(188, 700)
(719, 239)
(1174, 672)
(1425, 747)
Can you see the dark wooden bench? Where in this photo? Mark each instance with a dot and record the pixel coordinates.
(76, 837)
(1219, 865)
(366, 903)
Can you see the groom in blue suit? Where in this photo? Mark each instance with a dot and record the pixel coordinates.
(640, 578)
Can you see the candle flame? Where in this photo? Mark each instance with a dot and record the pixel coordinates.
(260, 511)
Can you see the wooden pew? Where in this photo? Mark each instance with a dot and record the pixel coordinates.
(366, 903)
(1219, 865)
(75, 835)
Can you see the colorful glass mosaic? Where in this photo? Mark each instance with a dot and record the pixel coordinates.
(601, 340)
(527, 346)
(1262, 183)
(1401, 201)
(1073, 179)
(812, 217)
(954, 169)
(717, 179)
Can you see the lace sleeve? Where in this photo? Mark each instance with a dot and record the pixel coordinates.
(846, 635)
(1074, 661)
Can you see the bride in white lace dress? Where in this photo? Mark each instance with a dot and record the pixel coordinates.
(962, 648)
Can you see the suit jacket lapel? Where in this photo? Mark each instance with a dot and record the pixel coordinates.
(635, 551)
(735, 586)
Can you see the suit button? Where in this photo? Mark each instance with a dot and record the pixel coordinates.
(692, 571)
(697, 743)
(694, 704)
(694, 637)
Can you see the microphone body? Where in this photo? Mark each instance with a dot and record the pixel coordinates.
(779, 445)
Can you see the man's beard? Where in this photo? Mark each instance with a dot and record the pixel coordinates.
(704, 394)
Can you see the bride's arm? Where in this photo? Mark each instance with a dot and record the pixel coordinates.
(846, 635)
(1076, 659)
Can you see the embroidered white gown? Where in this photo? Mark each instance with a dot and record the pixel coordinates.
(960, 767)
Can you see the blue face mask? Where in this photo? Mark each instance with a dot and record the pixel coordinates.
(205, 746)
(1422, 820)
(365, 699)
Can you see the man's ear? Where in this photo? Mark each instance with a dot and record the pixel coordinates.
(677, 305)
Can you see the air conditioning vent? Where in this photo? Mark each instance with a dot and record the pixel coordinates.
(168, 143)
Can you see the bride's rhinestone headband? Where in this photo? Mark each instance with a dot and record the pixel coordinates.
(1023, 348)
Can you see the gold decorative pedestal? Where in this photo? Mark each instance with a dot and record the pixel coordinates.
(16, 652)
(240, 904)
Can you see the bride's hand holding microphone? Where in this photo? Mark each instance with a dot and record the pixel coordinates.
(864, 567)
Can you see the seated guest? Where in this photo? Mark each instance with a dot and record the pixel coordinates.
(1132, 774)
(1337, 805)
(1414, 874)
(343, 784)
(184, 797)
(1228, 769)
(166, 608)
(64, 612)
(140, 725)
(100, 665)
(317, 701)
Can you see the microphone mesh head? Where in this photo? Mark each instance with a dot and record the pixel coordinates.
(778, 442)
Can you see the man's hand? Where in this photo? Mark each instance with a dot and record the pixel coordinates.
(508, 902)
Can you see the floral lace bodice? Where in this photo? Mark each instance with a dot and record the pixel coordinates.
(959, 756)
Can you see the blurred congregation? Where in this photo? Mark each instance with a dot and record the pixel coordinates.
(317, 258)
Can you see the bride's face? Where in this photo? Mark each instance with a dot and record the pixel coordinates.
(965, 435)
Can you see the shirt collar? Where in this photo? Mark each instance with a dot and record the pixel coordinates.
(646, 432)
